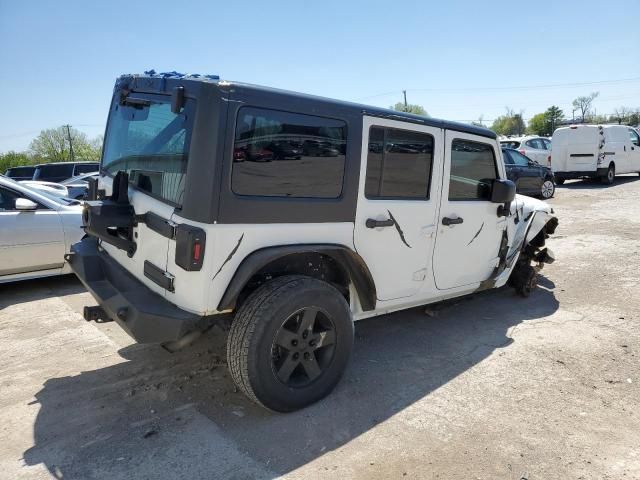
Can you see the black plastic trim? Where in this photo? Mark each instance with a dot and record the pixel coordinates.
(353, 264)
(158, 276)
(159, 225)
(145, 315)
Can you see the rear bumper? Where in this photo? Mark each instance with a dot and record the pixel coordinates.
(599, 172)
(143, 314)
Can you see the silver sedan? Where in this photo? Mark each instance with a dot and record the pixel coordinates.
(37, 229)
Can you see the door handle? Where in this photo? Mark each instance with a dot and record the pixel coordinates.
(373, 223)
(451, 221)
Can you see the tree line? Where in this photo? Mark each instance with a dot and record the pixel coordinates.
(55, 145)
(544, 123)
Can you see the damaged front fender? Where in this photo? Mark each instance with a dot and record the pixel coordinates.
(529, 224)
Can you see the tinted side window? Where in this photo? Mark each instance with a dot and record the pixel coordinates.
(547, 144)
(86, 168)
(635, 138)
(519, 159)
(54, 171)
(507, 157)
(473, 167)
(398, 164)
(535, 143)
(281, 154)
(7, 200)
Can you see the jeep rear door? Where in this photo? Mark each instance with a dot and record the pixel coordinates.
(151, 143)
(469, 230)
(397, 203)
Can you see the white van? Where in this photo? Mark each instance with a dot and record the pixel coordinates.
(594, 151)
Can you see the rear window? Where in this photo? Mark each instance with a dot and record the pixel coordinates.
(510, 144)
(150, 142)
(54, 172)
(20, 172)
(86, 168)
(282, 154)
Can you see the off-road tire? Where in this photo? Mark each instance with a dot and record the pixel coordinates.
(610, 176)
(253, 333)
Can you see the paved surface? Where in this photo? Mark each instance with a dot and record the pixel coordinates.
(488, 387)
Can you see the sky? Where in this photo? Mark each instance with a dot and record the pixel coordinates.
(458, 59)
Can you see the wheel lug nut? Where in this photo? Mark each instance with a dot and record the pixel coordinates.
(312, 343)
(294, 343)
(305, 334)
(307, 356)
(296, 356)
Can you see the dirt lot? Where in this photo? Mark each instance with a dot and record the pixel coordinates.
(487, 387)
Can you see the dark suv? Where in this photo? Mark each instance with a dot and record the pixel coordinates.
(530, 177)
(20, 173)
(57, 172)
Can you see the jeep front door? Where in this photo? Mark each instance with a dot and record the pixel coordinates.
(397, 203)
(469, 229)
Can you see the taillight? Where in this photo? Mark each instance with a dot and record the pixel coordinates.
(190, 243)
(197, 248)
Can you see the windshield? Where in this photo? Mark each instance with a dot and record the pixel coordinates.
(150, 142)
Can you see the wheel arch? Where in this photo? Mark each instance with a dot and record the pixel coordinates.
(337, 264)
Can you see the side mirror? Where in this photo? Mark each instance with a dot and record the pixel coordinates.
(25, 204)
(503, 191)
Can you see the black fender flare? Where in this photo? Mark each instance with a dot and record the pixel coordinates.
(348, 259)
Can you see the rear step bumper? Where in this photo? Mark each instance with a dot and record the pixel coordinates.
(143, 314)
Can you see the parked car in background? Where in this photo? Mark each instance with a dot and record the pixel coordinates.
(57, 172)
(21, 173)
(49, 187)
(285, 150)
(36, 231)
(536, 148)
(78, 186)
(595, 151)
(530, 177)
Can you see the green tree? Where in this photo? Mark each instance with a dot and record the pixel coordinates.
(509, 124)
(554, 115)
(15, 159)
(410, 108)
(538, 125)
(53, 145)
(545, 123)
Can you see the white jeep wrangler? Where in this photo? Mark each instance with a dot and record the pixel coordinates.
(293, 216)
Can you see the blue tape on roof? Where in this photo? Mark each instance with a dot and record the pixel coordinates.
(174, 74)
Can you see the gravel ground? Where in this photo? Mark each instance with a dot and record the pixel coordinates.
(491, 386)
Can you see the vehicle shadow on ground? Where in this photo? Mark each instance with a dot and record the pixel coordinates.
(592, 184)
(133, 418)
(39, 289)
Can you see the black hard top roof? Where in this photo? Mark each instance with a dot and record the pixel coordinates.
(161, 80)
(73, 162)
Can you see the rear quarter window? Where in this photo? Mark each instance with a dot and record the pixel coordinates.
(283, 154)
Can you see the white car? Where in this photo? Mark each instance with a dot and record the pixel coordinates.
(49, 187)
(536, 148)
(36, 231)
